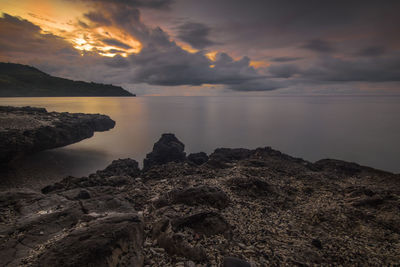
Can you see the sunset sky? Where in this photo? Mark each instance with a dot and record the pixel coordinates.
(207, 47)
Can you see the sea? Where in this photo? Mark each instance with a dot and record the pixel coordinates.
(361, 129)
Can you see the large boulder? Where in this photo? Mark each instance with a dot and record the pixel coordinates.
(70, 228)
(115, 240)
(198, 158)
(167, 149)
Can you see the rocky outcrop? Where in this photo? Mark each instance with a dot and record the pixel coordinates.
(240, 208)
(73, 227)
(198, 158)
(167, 149)
(27, 130)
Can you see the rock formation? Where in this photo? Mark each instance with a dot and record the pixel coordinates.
(240, 208)
(27, 130)
(167, 149)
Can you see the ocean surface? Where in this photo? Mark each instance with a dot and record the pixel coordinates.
(362, 129)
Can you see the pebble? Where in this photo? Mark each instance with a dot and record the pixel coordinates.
(159, 250)
(242, 246)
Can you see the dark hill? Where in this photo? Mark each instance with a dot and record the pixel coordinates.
(18, 80)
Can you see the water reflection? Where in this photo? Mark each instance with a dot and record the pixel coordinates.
(361, 129)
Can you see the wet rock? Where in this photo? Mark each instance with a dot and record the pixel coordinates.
(250, 186)
(204, 223)
(115, 240)
(77, 227)
(235, 262)
(120, 167)
(27, 130)
(200, 195)
(167, 149)
(198, 158)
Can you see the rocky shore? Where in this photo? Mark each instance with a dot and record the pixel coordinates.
(235, 207)
(25, 130)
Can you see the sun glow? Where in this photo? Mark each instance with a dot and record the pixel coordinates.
(64, 19)
(212, 55)
(259, 64)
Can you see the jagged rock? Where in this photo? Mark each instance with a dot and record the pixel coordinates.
(205, 223)
(235, 262)
(129, 167)
(167, 149)
(200, 195)
(198, 158)
(115, 240)
(276, 203)
(27, 130)
(70, 228)
(250, 186)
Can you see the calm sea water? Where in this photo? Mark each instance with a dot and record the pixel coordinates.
(365, 130)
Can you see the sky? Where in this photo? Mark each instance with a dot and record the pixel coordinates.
(210, 47)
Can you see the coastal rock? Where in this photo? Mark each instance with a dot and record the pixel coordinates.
(69, 228)
(338, 166)
(115, 240)
(198, 158)
(265, 208)
(167, 149)
(120, 167)
(221, 157)
(27, 130)
(200, 195)
(87, 182)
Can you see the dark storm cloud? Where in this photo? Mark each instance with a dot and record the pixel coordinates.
(284, 59)
(172, 65)
(115, 42)
(382, 69)
(21, 38)
(349, 40)
(284, 70)
(195, 34)
(271, 24)
(318, 45)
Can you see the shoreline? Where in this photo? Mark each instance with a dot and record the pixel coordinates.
(259, 207)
